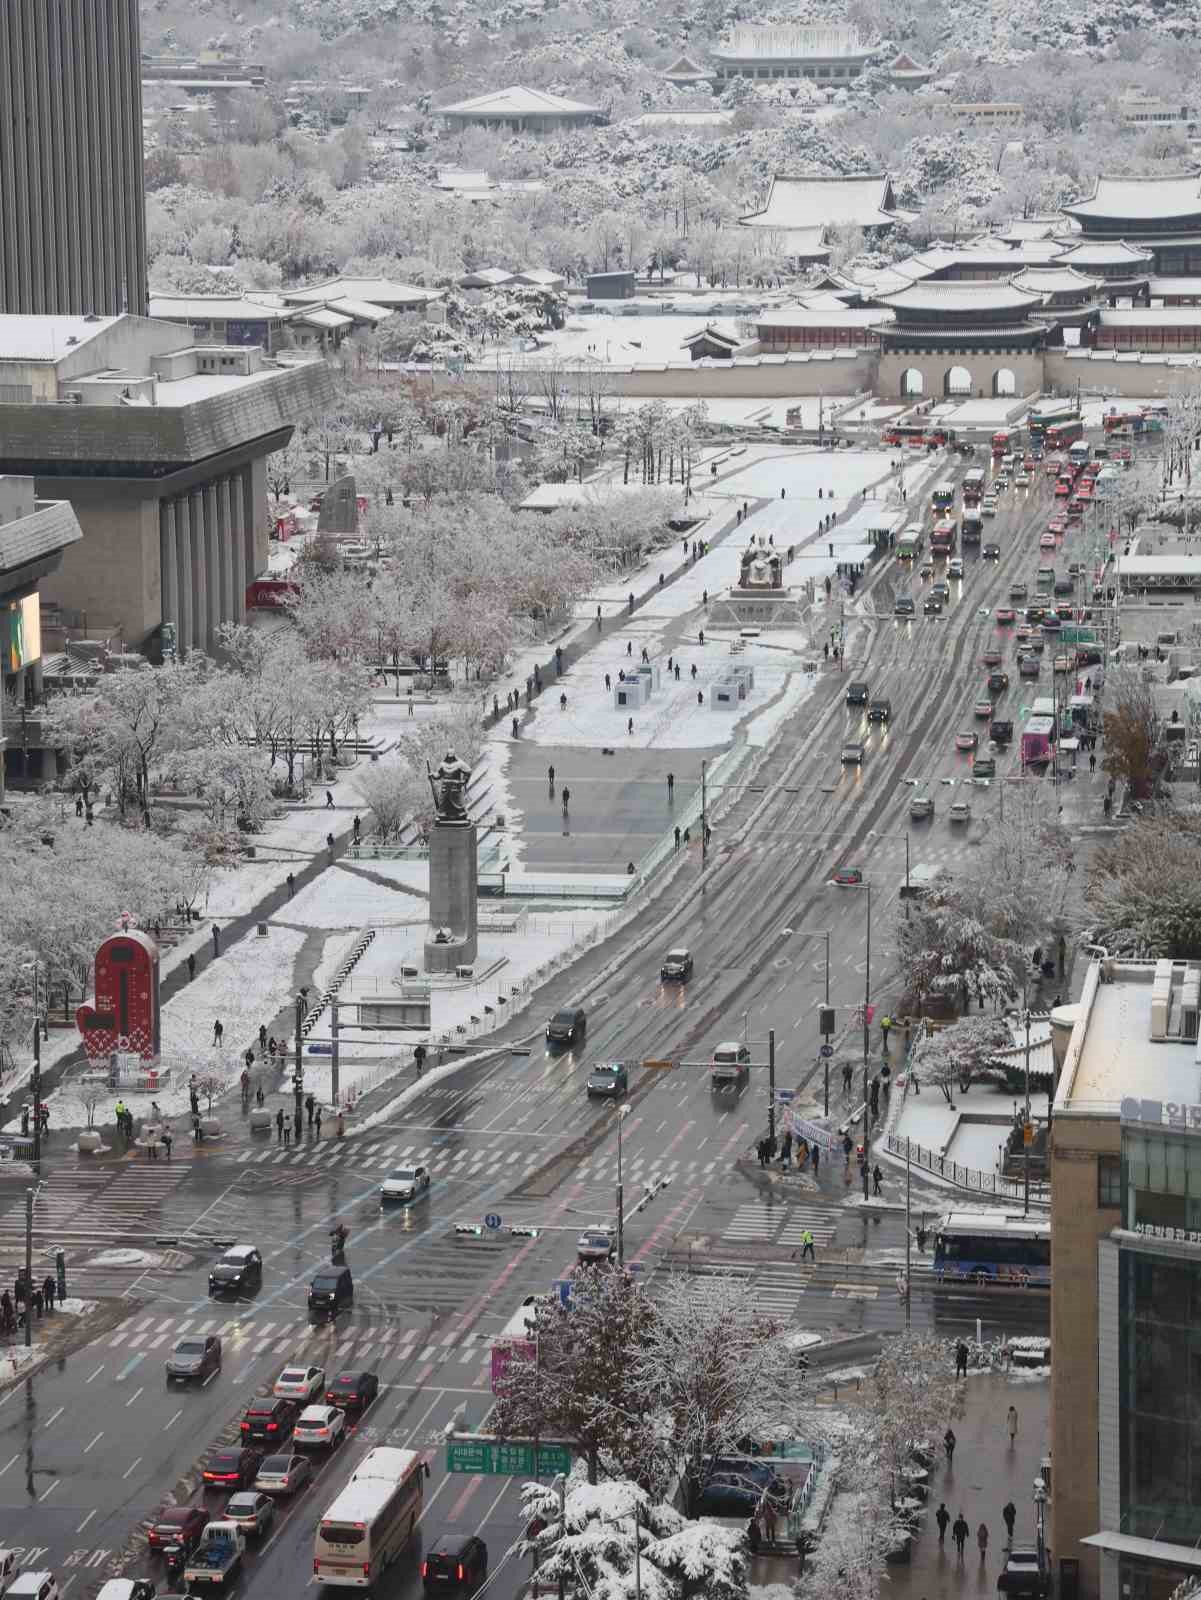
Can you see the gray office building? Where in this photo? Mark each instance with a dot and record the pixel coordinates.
(73, 217)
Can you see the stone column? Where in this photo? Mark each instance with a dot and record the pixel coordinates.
(213, 555)
(200, 588)
(229, 555)
(168, 563)
(183, 567)
(245, 483)
(235, 521)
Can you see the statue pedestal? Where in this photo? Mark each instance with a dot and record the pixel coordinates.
(453, 897)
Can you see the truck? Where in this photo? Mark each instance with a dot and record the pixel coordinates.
(217, 1555)
(1038, 740)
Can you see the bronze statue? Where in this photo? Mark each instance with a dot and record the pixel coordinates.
(449, 785)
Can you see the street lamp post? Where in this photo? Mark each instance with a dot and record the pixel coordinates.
(36, 1079)
(1040, 1513)
(1026, 1130)
(623, 1112)
(298, 1073)
(867, 994)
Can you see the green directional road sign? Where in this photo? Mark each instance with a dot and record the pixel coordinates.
(506, 1457)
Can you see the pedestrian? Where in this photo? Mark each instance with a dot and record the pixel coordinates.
(677, 671)
(1010, 1513)
(258, 1095)
(701, 636)
(982, 1541)
(877, 1178)
(847, 1147)
(167, 1142)
(768, 1514)
(630, 725)
(566, 798)
(279, 1126)
(317, 1119)
(25, 1112)
(848, 1077)
(874, 1098)
(1092, 762)
(562, 702)
(152, 1147)
(550, 776)
(329, 843)
(329, 801)
(677, 835)
(608, 682)
(959, 1532)
(786, 1149)
(885, 1025)
(700, 697)
(671, 783)
(197, 1132)
(1011, 1425)
(309, 1107)
(817, 1156)
(44, 1118)
(191, 967)
(79, 805)
(807, 1247)
(287, 1131)
(961, 1355)
(48, 1293)
(37, 1300)
(218, 1033)
(272, 1047)
(694, 672)
(262, 1037)
(943, 1517)
(761, 1152)
(341, 1125)
(515, 727)
(357, 826)
(645, 658)
(629, 647)
(948, 1443)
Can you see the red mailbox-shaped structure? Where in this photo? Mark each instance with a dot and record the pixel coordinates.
(125, 1018)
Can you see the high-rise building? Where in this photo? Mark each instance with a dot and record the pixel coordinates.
(72, 198)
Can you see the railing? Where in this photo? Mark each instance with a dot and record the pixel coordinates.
(970, 1179)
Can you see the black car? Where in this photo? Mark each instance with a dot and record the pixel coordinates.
(984, 767)
(567, 1026)
(991, 552)
(609, 1080)
(998, 681)
(331, 1289)
(269, 1421)
(857, 693)
(239, 1270)
(677, 963)
(880, 711)
(352, 1391)
(933, 606)
(231, 1469)
(1024, 1577)
(456, 1563)
(1000, 730)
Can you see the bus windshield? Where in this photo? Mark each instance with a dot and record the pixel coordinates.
(992, 1244)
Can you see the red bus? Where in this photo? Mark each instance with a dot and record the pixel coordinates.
(942, 539)
(1064, 434)
(1005, 440)
(905, 433)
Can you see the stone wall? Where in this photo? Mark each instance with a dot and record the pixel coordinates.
(982, 366)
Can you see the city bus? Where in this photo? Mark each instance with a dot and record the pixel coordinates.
(905, 433)
(1006, 440)
(1051, 414)
(372, 1520)
(1079, 453)
(1064, 433)
(517, 1337)
(942, 496)
(993, 1247)
(973, 486)
(911, 543)
(942, 539)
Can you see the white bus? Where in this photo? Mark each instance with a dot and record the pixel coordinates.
(372, 1520)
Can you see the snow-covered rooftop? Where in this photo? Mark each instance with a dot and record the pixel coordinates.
(687, 119)
(1163, 286)
(375, 291)
(1111, 1055)
(518, 102)
(1054, 280)
(360, 310)
(813, 202)
(47, 338)
(1142, 199)
(951, 298)
(774, 41)
(219, 307)
(1105, 252)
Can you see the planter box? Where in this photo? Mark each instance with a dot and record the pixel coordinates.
(89, 1143)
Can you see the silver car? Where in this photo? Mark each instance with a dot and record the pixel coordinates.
(252, 1511)
(283, 1474)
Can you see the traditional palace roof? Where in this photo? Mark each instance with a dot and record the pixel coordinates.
(517, 102)
(998, 299)
(1169, 199)
(1106, 253)
(811, 202)
(1055, 280)
(789, 42)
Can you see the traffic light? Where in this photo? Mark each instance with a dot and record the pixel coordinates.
(825, 1021)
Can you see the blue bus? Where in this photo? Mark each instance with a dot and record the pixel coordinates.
(993, 1247)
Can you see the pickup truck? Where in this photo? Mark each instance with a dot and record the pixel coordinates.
(217, 1555)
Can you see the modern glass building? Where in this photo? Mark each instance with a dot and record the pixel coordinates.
(1149, 1312)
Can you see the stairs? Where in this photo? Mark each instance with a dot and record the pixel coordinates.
(345, 967)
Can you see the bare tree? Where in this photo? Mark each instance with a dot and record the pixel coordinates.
(953, 1056)
(1131, 725)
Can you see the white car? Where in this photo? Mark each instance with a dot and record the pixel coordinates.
(299, 1383)
(960, 811)
(405, 1183)
(321, 1425)
(1022, 480)
(955, 567)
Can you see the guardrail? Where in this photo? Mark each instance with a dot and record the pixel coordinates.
(970, 1179)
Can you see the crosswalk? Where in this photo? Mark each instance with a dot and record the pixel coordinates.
(778, 1290)
(94, 1208)
(294, 1338)
(760, 1223)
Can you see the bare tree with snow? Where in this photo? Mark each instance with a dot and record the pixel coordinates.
(953, 1056)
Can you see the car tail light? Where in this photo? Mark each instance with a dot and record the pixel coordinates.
(459, 1573)
(366, 1569)
(246, 1427)
(316, 1567)
(425, 1569)
(273, 1427)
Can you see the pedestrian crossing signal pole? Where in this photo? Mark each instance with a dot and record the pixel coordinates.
(771, 1083)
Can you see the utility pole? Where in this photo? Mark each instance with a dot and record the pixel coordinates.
(29, 1199)
(333, 1052)
(771, 1083)
(867, 992)
(621, 1215)
(1026, 1128)
(36, 1082)
(907, 873)
(908, 1239)
(298, 1074)
(825, 1041)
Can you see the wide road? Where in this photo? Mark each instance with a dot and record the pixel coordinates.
(90, 1448)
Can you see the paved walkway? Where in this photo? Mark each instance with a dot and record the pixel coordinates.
(986, 1474)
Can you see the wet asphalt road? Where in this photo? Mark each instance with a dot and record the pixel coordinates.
(93, 1445)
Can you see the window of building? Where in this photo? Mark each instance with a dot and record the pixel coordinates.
(1109, 1181)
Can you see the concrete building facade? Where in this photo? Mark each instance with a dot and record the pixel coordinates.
(160, 446)
(74, 233)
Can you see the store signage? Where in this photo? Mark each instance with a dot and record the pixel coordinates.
(1162, 1113)
(1152, 1230)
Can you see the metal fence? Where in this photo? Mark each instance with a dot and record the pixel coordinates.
(970, 1179)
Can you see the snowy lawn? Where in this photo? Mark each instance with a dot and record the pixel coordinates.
(838, 473)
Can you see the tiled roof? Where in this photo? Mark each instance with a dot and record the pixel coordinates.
(1142, 199)
(811, 202)
(958, 297)
(516, 102)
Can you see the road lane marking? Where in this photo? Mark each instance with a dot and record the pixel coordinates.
(53, 1419)
(131, 1467)
(135, 1395)
(8, 1464)
(97, 1372)
(95, 1441)
(85, 1521)
(174, 1419)
(49, 1490)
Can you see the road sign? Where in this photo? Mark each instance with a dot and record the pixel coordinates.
(492, 1220)
(1027, 1133)
(506, 1458)
(826, 1051)
(785, 1096)
(562, 1288)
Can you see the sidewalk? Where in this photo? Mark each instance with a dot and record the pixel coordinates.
(986, 1474)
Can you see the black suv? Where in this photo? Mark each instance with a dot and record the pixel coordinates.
(857, 693)
(239, 1270)
(269, 1421)
(455, 1562)
(332, 1288)
(567, 1026)
(880, 711)
(352, 1391)
(1000, 730)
